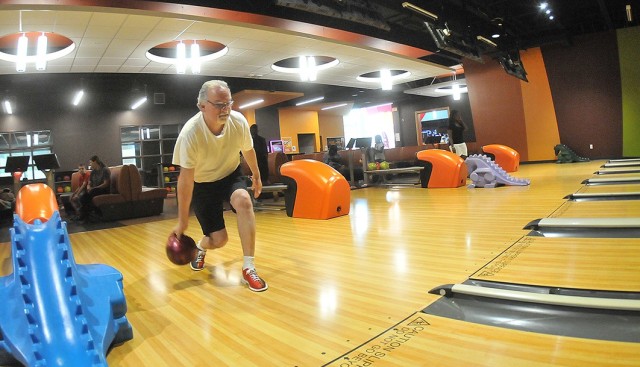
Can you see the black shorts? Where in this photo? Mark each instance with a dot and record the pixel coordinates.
(208, 199)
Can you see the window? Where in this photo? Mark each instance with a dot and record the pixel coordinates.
(369, 122)
(146, 146)
(25, 143)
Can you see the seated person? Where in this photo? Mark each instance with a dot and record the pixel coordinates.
(99, 184)
(7, 200)
(334, 160)
(378, 150)
(75, 198)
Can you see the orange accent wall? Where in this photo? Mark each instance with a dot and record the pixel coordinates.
(250, 115)
(496, 101)
(294, 122)
(539, 112)
(331, 126)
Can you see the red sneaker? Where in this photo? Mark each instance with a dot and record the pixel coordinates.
(255, 283)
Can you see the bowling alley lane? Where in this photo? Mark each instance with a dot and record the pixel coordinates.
(605, 189)
(598, 209)
(581, 263)
(443, 341)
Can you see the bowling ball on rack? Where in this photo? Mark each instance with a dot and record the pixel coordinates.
(172, 169)
(384, 165)
(371, 166)
(181, 251)
(165, 169)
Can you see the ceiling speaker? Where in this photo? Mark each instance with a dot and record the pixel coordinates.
(158, 98)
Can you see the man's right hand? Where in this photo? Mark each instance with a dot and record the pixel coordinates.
(180, 228)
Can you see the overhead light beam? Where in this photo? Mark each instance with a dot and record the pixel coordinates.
(78, 97)
(252, 103)
(310, 101)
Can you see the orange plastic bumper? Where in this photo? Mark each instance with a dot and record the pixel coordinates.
(444, 169)
(36, 201)
(315, 190)
(507, 158)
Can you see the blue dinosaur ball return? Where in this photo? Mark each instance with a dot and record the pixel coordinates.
(56, 312)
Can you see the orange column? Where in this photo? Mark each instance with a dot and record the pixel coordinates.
(539, 113)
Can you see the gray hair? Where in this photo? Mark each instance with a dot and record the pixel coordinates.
(202, 95)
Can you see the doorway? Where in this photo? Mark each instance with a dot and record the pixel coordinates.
(306, 143)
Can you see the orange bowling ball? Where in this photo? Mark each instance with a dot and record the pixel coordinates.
(181, 251)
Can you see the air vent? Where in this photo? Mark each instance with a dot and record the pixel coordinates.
(158, 98)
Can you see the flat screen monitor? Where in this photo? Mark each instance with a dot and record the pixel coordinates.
(350, 144)
(46, 161)
(276, 146)
(17, 164)
(363, 142)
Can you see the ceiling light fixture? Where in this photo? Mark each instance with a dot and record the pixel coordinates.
(455, 88)
(7, 107)
(456, 91)
(47, 47)
(309, 101)
(195, 57)
(307, 67)
(139, 103)
(417, 9)
(334, 106)
(78, 97)
(21, 54)
(41, 52)
(175, 53)
(181, 58)
(629, 16)
(385, 77)
(487, 41)
(252, 103)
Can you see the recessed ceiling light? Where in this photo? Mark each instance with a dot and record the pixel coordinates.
(175, 53)
(57, 46)
(385, 77)
(305, 66)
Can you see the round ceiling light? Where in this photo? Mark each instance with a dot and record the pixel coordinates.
(376, 76)
(57, 46)
(186, 51)
(449, 89)
(292, 64)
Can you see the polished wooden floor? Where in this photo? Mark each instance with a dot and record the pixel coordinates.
(338, 286)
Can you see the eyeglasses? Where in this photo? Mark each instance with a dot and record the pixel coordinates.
(221, 105)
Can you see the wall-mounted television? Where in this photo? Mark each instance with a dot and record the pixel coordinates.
(513, 66)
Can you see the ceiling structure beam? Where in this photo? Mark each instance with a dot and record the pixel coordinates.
(605, 14)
